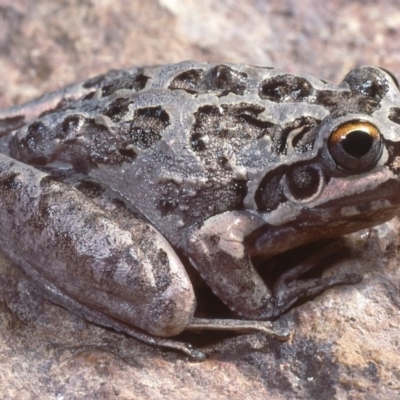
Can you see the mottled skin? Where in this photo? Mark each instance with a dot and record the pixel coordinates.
(219, 163)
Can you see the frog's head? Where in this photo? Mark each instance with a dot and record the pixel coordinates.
(350, 180)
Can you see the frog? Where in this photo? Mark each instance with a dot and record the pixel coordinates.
(114, 187)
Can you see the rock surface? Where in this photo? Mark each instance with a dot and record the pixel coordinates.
(345, 343)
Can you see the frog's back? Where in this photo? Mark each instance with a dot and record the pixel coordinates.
(185, 141)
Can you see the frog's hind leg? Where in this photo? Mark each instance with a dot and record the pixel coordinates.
(287, 289)
(106, 266)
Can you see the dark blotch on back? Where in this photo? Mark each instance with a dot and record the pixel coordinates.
(11, 182)
(11, 123)
(189, 81)
(356, 105)
(128, 152)
(115, 80)
(63, 104)
(95, 82)
(83, 142)
(89, 96)
(395, 80)
(225, 79)
(30, 147)
(368, 82)
(117, 109)
(11, 186)
(170, 193)
(127, 81)
(236, 123)
(220, 79)
(331, 99)
(86, 143)
(394, 115)
(146, 126)
(285, 88)
(71, 125)
(90, 188)
(141, 81)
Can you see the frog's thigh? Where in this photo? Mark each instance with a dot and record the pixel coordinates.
(62, 240)
(216, 249)
(141, 282)
(156, 279)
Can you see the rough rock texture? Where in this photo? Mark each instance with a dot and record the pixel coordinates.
(345, 343)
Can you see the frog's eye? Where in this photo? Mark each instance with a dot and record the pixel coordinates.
(355, 145)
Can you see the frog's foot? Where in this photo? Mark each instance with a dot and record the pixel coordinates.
(287, 295)
(287, 290)
(53, 294)
(186, 348)
(239, 326)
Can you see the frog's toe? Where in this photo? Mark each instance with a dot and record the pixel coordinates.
(287, 295)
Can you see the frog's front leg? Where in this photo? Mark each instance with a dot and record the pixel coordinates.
(218, 249)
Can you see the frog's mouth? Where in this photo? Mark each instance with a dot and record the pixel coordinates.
(373, 204)
(332, 219)
(347, 214)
